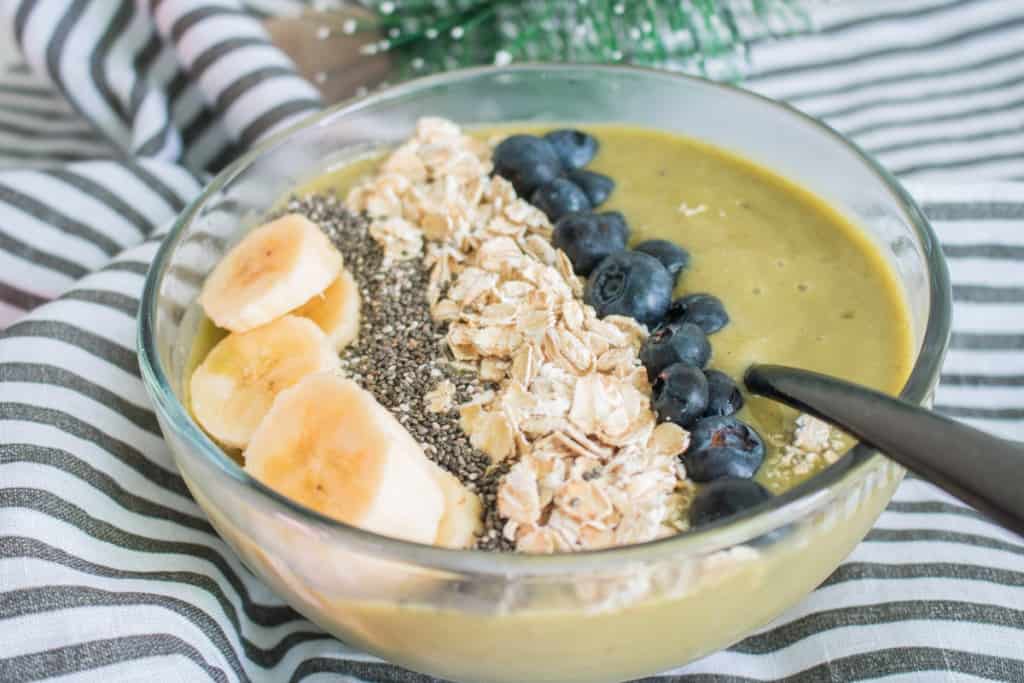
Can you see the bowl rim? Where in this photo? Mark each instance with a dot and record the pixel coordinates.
(783, 509)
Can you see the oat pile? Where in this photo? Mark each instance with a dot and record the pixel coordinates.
(570, 404)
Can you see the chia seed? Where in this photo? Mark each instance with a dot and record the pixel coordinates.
(399, 355)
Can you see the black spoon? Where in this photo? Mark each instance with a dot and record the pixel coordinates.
(980, 469)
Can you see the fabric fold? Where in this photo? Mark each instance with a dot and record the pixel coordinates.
(61, 223)
(188, 81)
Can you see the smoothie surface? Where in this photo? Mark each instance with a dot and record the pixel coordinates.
(803, 285)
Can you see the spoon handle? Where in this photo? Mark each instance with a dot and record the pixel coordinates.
(982, 470)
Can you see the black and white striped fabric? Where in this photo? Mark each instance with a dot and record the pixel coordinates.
(109, 571)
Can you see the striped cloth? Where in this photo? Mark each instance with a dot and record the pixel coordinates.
(109, 571)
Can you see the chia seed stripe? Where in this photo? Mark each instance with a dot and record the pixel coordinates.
(400, 354)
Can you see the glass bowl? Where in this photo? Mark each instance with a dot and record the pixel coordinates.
(594, 616)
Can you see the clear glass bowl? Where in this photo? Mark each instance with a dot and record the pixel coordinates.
(596, 616)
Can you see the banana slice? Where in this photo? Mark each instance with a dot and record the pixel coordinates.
(328, 444)
(336, 310)
(235, 385)
(463, 512)
(274, 269)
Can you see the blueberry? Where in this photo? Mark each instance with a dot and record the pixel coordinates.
(724, 397)
(574, 147)
(527, 162)
(723, 447)
(616, 221)
(724, 498)
(587, 238)
(630, 283)
(559, 197)
(674, 343)
(680, 394)
(597, 187)
(672, 256)
(704, 310)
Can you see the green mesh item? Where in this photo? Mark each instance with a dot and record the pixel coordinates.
(710, 37)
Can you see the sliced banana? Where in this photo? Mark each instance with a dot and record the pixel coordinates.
(274, 269)
(463, 512)
(328, 444)
(235, 385)
(336, 310)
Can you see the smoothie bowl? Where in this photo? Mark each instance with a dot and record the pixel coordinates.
(465, 428)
